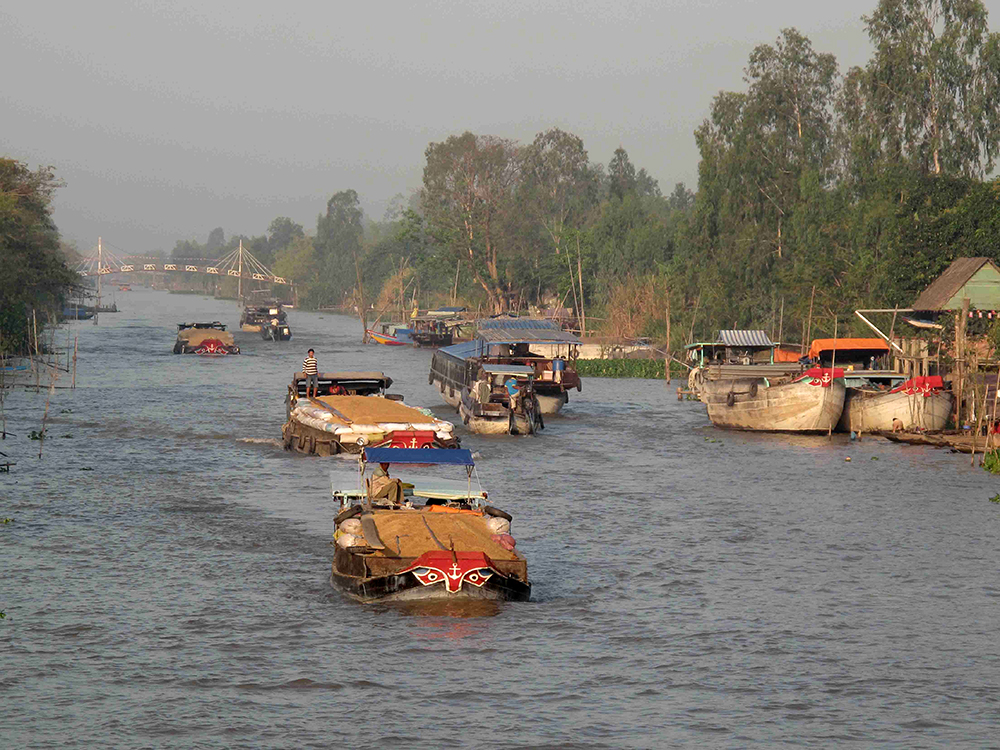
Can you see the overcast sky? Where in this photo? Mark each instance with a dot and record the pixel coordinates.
(168, 119)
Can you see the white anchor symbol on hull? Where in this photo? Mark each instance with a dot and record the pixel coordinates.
(455, 570)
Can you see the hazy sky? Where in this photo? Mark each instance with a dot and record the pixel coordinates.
(167, 119)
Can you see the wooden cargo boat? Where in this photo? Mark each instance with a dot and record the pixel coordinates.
(352, 410)
(919, 403)
(482, 396)
(210, 339)
(441, 543)
(430, 331)
(259, 315)
(276, 329)
(811, 402)
(510, 341)
(501, 401)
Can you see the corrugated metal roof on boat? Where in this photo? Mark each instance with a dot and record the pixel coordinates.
(461, 351)
(745, 339)
(523, 330)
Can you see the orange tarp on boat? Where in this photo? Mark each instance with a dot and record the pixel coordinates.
(787, 355)
(828, 345)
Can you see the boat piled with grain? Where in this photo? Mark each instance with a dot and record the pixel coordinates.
(352, 410)
(810, 402)
(420, 537)
(210, 339)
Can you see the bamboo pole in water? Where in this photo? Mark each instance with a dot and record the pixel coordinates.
(809, 325)
(579, 278)
(76, 341)
(993, 415)
(781, 320)
(833, 366)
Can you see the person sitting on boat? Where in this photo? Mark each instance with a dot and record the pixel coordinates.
(383, 485)
(897, 424)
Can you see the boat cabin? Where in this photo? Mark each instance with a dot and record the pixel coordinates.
(733, 347)
(430, 330)
(852, 354)
(345, 384)
(202, 326)
(428, 490)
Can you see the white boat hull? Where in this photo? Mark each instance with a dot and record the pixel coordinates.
(552, 404)
(789, 407)
(873, 411)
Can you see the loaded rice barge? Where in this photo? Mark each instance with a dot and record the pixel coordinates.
(352, 410)
(210, 339)
(438, 540)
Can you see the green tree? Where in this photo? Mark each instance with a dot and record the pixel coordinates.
(339, 234)
(34, 273)
(621, 175)
(468, 196)
(216, 241)
(929, 95)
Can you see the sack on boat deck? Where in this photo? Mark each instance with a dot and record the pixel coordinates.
(350, 540)
(505, 540)
(498, 525)
(351, 526)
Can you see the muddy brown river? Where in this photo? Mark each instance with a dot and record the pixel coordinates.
(165, 574)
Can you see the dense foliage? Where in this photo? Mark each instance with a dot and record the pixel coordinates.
(816, 191)
(33, 272)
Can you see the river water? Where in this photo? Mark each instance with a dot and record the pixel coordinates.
(165, 575)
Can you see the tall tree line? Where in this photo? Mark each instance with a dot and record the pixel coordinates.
(816, 188)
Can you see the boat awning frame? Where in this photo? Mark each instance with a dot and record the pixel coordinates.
(418, 456)
(508, 370)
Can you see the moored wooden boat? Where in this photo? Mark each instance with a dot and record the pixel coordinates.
(441, 543)
(352, 410)
(811, 402)
(919, 403)
(211, 339)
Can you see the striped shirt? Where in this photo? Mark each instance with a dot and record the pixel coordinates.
(309, 366)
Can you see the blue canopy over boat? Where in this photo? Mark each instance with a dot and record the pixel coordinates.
(422, 456)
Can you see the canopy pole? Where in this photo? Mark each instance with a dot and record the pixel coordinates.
(880, 334)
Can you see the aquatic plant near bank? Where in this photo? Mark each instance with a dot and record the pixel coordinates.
(620, 368)
(991, 462)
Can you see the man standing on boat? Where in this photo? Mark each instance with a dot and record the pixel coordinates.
(311, 371)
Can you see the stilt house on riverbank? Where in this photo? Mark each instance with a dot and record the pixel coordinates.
(968, 290)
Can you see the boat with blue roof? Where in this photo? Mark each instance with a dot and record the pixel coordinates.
(540, 345)
(421, 537)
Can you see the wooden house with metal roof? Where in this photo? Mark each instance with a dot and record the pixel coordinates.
(974, 279)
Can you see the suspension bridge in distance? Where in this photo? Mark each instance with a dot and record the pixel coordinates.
(239, 264)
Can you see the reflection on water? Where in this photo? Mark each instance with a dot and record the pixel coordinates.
(690, 586)
(442, 611)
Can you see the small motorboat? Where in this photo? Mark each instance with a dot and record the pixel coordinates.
(437, 540)
(392, 334)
